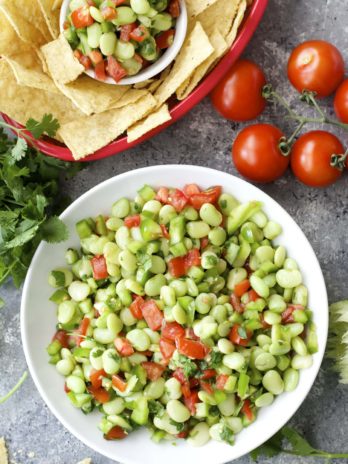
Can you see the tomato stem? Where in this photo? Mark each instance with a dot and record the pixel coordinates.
(339, 161)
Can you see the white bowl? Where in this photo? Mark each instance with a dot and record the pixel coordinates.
(38, 321)
(168, 56)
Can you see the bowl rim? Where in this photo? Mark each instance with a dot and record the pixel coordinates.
(155, 68)
(196, 170)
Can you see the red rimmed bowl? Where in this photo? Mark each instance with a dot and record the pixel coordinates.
(179, 109)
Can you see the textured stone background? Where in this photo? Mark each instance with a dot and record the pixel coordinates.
(32, 433)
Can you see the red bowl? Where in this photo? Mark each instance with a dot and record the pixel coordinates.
(179, 109)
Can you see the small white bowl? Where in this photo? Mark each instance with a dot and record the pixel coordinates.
(38, 320)
(168, 56)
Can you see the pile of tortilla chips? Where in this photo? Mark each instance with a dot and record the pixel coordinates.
(39, 73)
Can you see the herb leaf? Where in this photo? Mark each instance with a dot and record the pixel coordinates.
(19, 149)
(227, 435)
(48, 125)
(54, 230)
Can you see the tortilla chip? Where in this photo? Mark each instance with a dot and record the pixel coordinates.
(10, 42)
(87, 134)
(195, 50)
(131, 96)
(195, 7)
(3, 452)
(237, 22)
(22, 16)
(220, 47)
(56, 4)
(219, 15)
(22, 103)
(61, 62)
(155, 119)
(143, 85)
(27, 71)
(51, 16)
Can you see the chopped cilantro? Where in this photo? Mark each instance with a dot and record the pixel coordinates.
(227, 435)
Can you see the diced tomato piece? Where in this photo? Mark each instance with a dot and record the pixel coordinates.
(86, 62)
(165, 232)
(135, 307)
(246, 409)
(100, 394)
(236, 304)
(174, 8)
(191, 348)
(116, 433)
(152, 314)
(99, 267)
(253, 296)
(139, 59)
(179, 375)
(99, 70)
(96, 57)
(147, 353)
(182, 434)
(241, 288)
(208, 374)
(190, 402)
(140, 33)
(237, 339)
(287, 315)
(118, 2)
(167, 347)
(162, 195)
(91, 2)
(62, 337)
(189, 333)
(185, 389)
(126, 30)
(123, 346)
(194, 383)
(207, 387)
(132, 221)
(204, 242)
(177, 267)
(96, 377)
(173, 330)
(66, 388)
(221, 380)
(115, 70)
(77, 54)
(165, 39)
(66, 25)
(108, 13)
(191, 189)
(119, 382)
(81, 17)
(208, 196)
(178, 200)
(153, 370)
(82, 330)
(193, 258)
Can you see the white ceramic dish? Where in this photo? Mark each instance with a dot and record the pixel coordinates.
(38, 321)
(155, 68)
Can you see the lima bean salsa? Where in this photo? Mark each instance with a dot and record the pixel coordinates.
(179, 313)
(118, 38)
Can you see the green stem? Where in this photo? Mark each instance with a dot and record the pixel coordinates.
(15, 388)
(320, 454)
(339, 161)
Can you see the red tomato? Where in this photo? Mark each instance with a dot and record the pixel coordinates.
(191, 189)
(235, 337)
(316, 65)
(86, 61)
(165, 232)
(62, 337)
(256, 153)
(152, 314)
(116, 433)
(236, 304)
(96, 57)
(341, 102)
(167, 347)
(77, 54)
(191, 348)
(108, 13)
(287, 315)
(207, 387)
(139, 34)
(126, 30)
(246, 409)
(81, 17)
(252, 295)
(153, 370)
(162, 195)
(204, 242)
(119, 382)
(66, 389)
(193, 383)
(208, 196)
(173, 330)
(135, 307)
(179, 375)
(123, 346)
(132, 221)
(238, 96)
(177, 199)
(82, 330)
(193, 258)
(115, 70)
(208, 374)
(241, 288)
(182, 434)
(99, 267)
(174, 8)
(190, 401)
(99, 394)
(177, 267)
(99, 70)
(96, 377)
(118, 2)
(311, 157)
(221, 381)
(165, 39)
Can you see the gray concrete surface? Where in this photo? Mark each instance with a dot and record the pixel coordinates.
(32, 433)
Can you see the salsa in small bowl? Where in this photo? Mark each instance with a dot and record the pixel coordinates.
(124, 41)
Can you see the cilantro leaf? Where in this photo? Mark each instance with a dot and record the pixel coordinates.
(179, 426)
(59, 277)
(156, 408)
(227, 435)
(189, 367)
(215, 359)
(19, 149)
(54, 230)
(48, 125)
(299, 444)
(271, 448)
